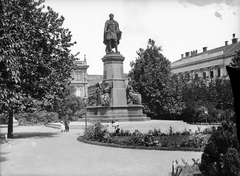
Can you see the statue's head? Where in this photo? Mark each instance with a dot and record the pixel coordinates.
(111, 16)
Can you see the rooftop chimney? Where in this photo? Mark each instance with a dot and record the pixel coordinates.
(194, 53)
(204, 49)
(234, 40)
(187, 54)
(182, 55)
(226, 43)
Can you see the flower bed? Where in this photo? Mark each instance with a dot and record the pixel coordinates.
(155, 139)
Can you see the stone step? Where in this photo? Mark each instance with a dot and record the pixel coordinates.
(142, 126)
(72, 125)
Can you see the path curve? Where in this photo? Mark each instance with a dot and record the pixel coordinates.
(43, 151)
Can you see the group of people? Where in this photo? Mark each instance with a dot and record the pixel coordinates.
(65, 126)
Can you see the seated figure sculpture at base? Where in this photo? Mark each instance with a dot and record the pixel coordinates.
(132, 97)
(101, 97)
(98, 95)
(105, 97)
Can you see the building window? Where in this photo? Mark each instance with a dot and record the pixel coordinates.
(79, 76)
(211, 74)
(204, 75)
(78, 92)
(219, 72)
(187, 76)
(196, 76)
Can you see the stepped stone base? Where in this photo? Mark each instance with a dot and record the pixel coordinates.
(120, 113)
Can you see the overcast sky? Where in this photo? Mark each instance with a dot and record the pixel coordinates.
(176, 25)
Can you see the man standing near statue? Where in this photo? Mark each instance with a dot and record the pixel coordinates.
(112, 35)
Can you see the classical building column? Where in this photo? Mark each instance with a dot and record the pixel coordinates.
(191, 74)
(221, 70)
(207, 72)
(215, 73)
(200, 73)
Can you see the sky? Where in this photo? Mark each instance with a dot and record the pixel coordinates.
(178, 26)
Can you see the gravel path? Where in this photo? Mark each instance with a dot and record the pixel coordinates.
(41, 151)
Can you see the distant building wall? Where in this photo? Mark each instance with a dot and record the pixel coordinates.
(80, 78)
(207, 64)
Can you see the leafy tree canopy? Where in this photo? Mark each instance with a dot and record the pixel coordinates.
(236, 60)
(35, 58)
(70, 105)
(197, 94)
(150, 74)
(221, 155)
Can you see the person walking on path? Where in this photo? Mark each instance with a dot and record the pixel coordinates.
(63, 129)
(66, 124)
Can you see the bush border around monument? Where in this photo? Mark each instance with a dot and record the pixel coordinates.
(98, 134)
(81, 139)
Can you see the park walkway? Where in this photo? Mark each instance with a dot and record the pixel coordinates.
(43, 151)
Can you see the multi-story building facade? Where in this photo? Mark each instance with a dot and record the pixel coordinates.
(80, 78)
(207, 64)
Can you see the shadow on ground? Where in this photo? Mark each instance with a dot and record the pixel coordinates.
(2, 158)
(32, 135)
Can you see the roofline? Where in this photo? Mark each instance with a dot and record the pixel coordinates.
(208, 51)
(202, 61)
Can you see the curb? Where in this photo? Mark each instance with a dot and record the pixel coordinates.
(6, 126)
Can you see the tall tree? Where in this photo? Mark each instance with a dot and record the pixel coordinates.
(150, 74)
(236, 60)
(69, 105)
(210, 94)
(174, 102)
(35, 58)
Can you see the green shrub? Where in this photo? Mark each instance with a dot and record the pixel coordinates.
(124, 133)
(195, 141)
(96, 132)
(221, 155)
(38, 117)
(3, 118)
(136, 140)
(164, 142)
(185, 132)
(157, 132)
(23, 119)
(177, 133)
(209, 130)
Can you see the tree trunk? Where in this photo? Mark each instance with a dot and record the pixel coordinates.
(10, 124)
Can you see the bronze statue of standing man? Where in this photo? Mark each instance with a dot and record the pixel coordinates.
(112, 35)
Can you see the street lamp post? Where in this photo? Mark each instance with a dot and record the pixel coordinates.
(85, 105)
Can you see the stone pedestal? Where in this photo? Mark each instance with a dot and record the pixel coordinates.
(118, 110)
(113, 75)
(120, 113)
